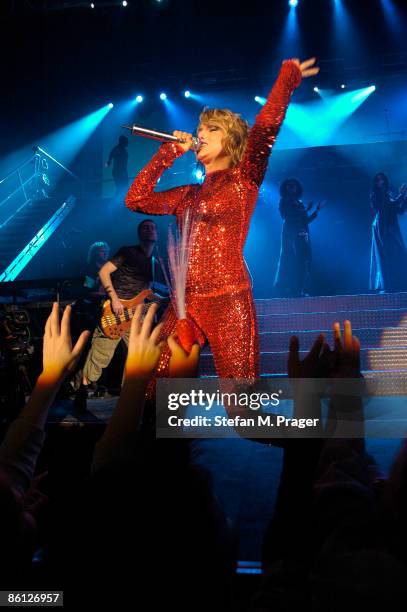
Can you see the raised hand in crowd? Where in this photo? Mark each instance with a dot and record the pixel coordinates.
(144, 349)
(23, 442)
(118, 441)
(59, 357)
(346, 355)
(314, 363)
(182, 364)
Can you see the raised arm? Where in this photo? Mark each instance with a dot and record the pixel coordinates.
(141, 196)
(401, 200)
(268, 122)
(264, 132)
(24, 439)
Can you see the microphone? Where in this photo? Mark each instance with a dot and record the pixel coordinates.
(137, 130)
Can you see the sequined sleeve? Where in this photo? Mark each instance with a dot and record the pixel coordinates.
(264, 132)
(141, 196)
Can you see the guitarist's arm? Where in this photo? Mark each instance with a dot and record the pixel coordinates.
(104, 275)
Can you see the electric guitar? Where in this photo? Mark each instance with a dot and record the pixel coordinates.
(114, 326)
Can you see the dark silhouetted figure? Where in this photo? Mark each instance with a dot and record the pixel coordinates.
(388, 260)
(294, 265)
(119, 156)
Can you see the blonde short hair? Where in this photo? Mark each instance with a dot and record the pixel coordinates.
(236, 130)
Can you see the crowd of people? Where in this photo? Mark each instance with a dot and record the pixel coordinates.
(336, 535)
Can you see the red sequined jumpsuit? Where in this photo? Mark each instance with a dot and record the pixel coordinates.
(218, 297)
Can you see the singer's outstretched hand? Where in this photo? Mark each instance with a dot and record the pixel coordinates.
(186, 137)
(307, 67)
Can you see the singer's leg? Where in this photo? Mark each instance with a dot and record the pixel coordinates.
(230, 324)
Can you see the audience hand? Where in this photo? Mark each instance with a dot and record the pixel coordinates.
(313, 365)
(59, 358)
(346, 361)
(181, 364)
(144, 349)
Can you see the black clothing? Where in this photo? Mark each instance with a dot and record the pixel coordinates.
(388, 261)
(134, 273)
(295, 255)
(92, 281)
(119, 156)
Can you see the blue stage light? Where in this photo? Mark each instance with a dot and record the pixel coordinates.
(163, 96)
(316, 89)
(318, 122)
(293, 3)
(260, 100)
(139, 99)
(110, 105)
(187, 94)
(199, 175)
(343, 86)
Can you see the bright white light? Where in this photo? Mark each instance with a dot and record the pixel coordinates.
(256, 99)
(316, 89)
(139, 99)
(163, 96)
(124, 3)
(92, 5)
(110, 105)
(187, 94)
(293, 3)
(199, 174)
(343, 86)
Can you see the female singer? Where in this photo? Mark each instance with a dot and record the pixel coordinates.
(218, 295)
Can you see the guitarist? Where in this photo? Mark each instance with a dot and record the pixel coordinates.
(123, 276)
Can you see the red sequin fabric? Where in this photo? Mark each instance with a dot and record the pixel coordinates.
(218, 296)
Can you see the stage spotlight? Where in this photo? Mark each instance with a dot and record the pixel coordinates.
(343, 86)
(92, 5)
(260, 100)
(316, 89)
(293, 3)
(187, 94)
(124, 3)
(110, 105)
(199, 174)
(163, 96)
(139, 99)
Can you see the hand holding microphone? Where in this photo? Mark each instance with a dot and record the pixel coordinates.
(185, 140)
